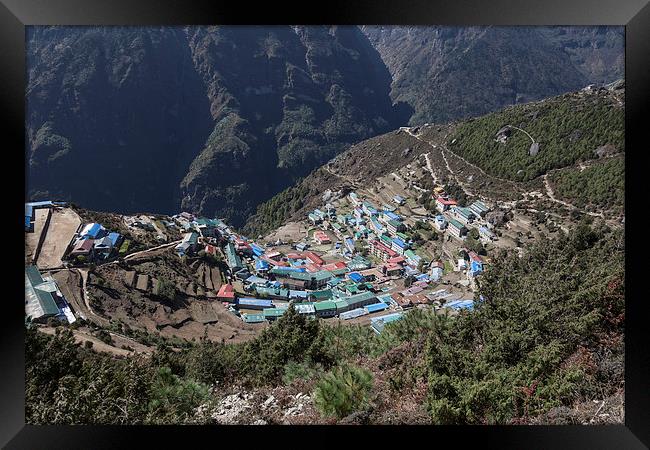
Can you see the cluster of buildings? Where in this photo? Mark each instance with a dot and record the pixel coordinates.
(349, 286)
(93, 242)
(456, 220)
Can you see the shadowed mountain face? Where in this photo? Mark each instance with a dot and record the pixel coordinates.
(113, 115)
(448, 73)
(218, 119)
(210, 119)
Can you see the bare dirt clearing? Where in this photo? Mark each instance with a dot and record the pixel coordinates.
(63, 225)
(31, 239)
(292, 231)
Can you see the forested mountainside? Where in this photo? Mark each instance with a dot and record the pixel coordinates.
(209, 119)
(447, 73)
(576, 140)
(525, 141)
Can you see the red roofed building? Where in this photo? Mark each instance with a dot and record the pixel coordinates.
(274, 255)
(211, 250)
(311, 268)
(334, 266)
(226, 293)
(444, 204)
(83, 247)
(396, 260)
(439, 264)
(382, 251)
(321, 237)
(295, 256)
(402, 301)
(474, 257)
(243, 246)
(314, 258)
(391, 269)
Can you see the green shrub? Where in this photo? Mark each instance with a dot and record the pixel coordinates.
(343, 391)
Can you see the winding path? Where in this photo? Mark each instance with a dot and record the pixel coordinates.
(162, 246)
(549, 191)
(524, 131)
(551, 195)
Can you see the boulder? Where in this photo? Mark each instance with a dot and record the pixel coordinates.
(605, 150)
(534, 149)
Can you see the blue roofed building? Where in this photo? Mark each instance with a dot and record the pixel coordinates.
(440, 222)
(459, 304)
(486, 234)
(399, 245)
(114, 238)
(254, 303)
(378, 323)
(389, 215)
(376, 307)
(261, 266)
(92, 231)
(257, 250)
(356, 277)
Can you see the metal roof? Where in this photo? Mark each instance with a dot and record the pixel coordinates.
(353, 313)
(456, 224)
(376, 307)
(274, 312)
(38, 302)
(247, 301)
(253, 318)
(324, 306)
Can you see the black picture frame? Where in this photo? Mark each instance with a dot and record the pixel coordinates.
(633, 14)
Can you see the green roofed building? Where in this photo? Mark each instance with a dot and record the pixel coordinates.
(386, 240)
(273, 313)
(313, 280)
(253, 318)
(325, 309)
(341, 306)
(359, 263)
(272, 292)
(281, 271)
(350, 288)
(478, 208)
(319, 296)
(40, 303)
(360, 300)
(456, 228)
(232, 258)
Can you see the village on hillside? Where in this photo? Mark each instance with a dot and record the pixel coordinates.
(357, 261)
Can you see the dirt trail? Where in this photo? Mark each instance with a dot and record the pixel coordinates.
(430, 169)
(551, 195)
(119, 340)
(153, 249)
(444, 157)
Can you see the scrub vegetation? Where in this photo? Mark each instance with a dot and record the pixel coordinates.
(547, 333)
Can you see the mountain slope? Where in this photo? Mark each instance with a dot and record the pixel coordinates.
(575, 132)
(113, 115)
(211, 119)
(447, 73)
